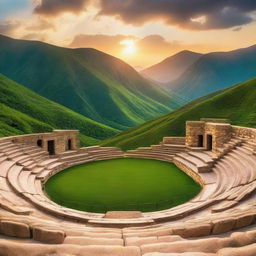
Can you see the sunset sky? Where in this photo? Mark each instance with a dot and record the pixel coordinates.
(141, 32)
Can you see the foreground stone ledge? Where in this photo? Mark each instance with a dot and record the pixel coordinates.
(123, 215)
(222, 226)
(48, 235)
(15, 229)
(197, 230)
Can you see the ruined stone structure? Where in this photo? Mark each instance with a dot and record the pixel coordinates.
(208, 135)
(219, 221)
(54, 142)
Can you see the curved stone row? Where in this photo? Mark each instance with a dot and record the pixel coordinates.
(208, 225)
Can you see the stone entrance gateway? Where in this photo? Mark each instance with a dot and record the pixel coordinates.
(69, 144)
(51, 147)
(209, 142)
(200, 141)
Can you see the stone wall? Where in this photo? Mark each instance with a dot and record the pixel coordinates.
(244, 133)
(174, 140)
(215, 120)
(196, 177)
(59, 137)
(193, 130)
(221, 134)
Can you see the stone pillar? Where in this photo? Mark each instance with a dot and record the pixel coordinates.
(193, 130)
(221, 134)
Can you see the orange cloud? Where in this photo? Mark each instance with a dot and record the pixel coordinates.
(9, 26)
(40, 24)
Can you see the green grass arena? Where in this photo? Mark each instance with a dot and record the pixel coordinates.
(126, 184)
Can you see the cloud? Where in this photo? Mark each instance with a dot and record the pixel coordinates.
(8, 26)
(237, 29)
(192, 14)
(34, 36)
(40, 25)
(150, 49)
(217, 14)
(105, 43)
(55, 7)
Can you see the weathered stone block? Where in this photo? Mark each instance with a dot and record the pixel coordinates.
(197, 230)
(222, 226)
(244, 220)
(48, 236)
(15, 229)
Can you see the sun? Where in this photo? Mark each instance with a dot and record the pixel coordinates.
(129, 47)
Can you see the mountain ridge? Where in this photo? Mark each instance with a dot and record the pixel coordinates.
(215, 71)
(85, 80)
(237, 103)
(171, 67)
(23, 111)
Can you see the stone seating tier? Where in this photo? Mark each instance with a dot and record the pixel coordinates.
(196, 228)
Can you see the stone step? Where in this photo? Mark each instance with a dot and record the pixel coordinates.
(138, 241)
(203, 157)
(224, 206)
(150, 156)
(120, 222)
(186, 163)
(12, 177)
(37, 170)
(239, 167)
(14, 151)
(54, 166)
(5, 143)
(86, 241)
(43, 175)
(47, 162)
(6, 148)
(248, 163)
(201, 166)
(80, 161)
(74, 156)
(174, 146)
(69, 152)
(2, 159)
(4, 168)
(245, 150)
(25, 184)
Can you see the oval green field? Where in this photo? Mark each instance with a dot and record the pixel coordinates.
(121, 184)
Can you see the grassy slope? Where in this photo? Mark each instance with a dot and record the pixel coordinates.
(215, 71)
(237, 103)
(23, 111)
(145, 185)
(87, 81)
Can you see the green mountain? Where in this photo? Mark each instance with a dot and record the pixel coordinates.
(90, 82)
(237, 103)
(172, 67)
(215, 71)
(24, 111)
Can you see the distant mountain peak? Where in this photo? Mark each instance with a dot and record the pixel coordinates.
(172, 67)
(215, 71)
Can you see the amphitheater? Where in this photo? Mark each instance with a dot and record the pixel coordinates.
(219, 221)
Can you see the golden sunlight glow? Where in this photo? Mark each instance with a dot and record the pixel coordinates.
(201, 19)
(129, 47)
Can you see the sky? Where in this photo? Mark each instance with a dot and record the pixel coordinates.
(141, 32)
